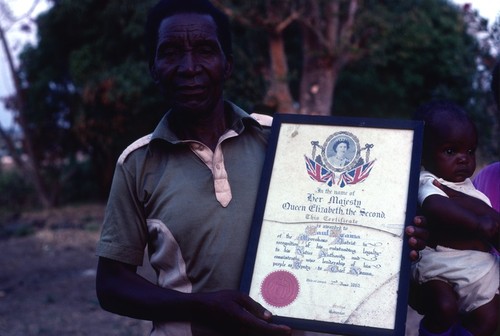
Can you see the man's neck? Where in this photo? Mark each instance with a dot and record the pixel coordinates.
(206, 129)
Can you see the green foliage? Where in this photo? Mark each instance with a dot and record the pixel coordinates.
(251, 23)
(16, 194)
(88, 86)
(422, 52)
(82, 186)
(246, 86)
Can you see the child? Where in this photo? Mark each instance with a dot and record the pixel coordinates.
(459, 276)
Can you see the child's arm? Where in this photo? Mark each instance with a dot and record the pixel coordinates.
(468, 202)
(475, 210)
(450, 214)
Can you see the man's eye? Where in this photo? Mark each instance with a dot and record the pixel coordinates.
(168, 52)
(449, 151)
(471, 152)
(205, 50)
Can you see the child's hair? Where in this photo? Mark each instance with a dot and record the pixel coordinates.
(438, 116)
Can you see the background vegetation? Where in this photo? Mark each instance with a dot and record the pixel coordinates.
(84, 91)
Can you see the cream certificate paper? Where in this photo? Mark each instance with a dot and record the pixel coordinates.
(332, 232)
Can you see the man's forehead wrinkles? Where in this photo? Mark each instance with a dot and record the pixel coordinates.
(189, 38)
(186, 27)
(193, 32)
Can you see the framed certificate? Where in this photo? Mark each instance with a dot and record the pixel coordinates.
(327, 249)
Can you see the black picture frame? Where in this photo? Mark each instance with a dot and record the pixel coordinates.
(327, 250)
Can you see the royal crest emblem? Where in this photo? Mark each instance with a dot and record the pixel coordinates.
(339, 161)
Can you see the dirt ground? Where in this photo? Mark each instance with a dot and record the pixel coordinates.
(47, 275)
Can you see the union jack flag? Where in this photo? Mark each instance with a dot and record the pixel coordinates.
(356, 175)
(318, 172)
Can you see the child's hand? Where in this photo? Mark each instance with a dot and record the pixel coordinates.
(488, 228)
(451, 193)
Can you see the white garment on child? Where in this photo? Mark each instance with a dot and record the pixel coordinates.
(474, 275)
(427, 188)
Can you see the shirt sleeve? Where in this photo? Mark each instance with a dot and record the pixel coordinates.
(124, 231)
(427, 188)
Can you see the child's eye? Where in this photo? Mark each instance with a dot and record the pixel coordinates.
(449, 151)
(471, 152)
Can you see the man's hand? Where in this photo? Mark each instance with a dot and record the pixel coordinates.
(418, 236)
(235, 313)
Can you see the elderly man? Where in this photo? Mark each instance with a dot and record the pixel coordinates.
(187, 191)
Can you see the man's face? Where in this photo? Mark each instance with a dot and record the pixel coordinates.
(190, 65)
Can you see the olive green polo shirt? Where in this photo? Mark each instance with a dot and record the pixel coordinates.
(192, 207)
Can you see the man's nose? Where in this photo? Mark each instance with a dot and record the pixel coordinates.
(188, 63)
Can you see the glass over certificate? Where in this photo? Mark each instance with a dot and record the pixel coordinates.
(327, 250)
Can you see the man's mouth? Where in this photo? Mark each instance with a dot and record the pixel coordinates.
(190, 89)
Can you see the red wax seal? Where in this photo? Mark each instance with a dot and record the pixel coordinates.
(280, 288)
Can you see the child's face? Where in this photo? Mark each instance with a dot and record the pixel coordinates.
(452, 155)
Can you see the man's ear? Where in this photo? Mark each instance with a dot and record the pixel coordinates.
(228, 69)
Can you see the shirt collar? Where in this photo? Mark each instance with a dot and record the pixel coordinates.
(238, 119)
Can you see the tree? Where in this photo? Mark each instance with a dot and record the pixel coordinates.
(485, 112)
(423, 52)
(338, 36)
(88, 91)
(429, 51)
(30, 167)
(329, 44)
(88, 84)
(327, 39)
(273, 18)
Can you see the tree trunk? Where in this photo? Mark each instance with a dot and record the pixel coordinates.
(317, 85)
(316, 91)
(278, 95)
(30, 167)
(319, 75)
(327, 31)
